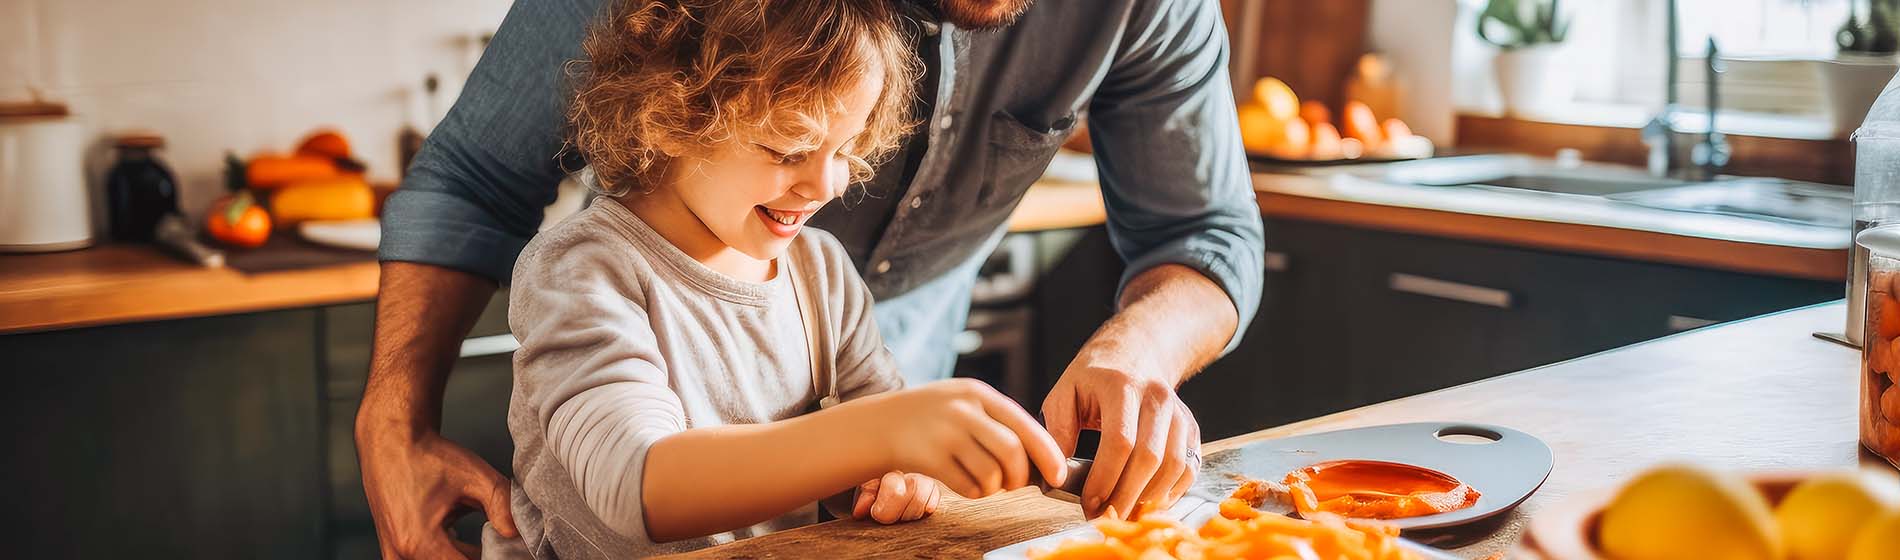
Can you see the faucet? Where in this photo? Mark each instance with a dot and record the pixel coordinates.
(1712, 153)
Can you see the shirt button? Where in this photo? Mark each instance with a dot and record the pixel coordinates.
(883, 267)
(945, 121)
(916, 201)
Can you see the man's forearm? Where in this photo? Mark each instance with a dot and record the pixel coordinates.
(422, 314)
(1172, 321)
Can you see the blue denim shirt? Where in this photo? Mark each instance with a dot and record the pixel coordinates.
(1150, 75)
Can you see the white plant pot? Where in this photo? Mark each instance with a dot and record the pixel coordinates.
(1850, 83)
(1529, 82)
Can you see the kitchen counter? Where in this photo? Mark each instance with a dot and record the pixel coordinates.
(117, 283)
(1560, 223)
(1760, 395)
(122, 283)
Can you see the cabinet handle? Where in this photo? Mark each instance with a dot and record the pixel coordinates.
(489, 345)
(1454, 291)
(1276, 261)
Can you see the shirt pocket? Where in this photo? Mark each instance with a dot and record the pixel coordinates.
(1017, 155)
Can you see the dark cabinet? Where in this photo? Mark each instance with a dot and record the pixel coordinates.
(196, 438)
(216, 437)
(1352, 317)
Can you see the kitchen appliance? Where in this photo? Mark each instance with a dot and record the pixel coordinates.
(1876, 193)
(43, 200)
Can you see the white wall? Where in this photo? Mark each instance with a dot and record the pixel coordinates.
(243, 75)
(1415, 37)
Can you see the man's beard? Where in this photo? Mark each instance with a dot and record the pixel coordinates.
(983, 15)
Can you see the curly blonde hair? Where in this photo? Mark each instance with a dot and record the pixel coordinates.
(662, 77)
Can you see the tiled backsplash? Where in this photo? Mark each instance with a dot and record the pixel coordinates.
(240, 75)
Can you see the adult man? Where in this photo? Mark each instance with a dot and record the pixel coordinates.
(1005, 83)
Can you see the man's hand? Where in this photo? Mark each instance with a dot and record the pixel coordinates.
(419, 486)
(1150, 449)
(417, 482)
(1172, 322)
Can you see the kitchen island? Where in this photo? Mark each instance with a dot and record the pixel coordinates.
(1761, 394)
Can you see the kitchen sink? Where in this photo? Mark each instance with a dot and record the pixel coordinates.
(1773, 199)
(1525, 173)
(1749, 197)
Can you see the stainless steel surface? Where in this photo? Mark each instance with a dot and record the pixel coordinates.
(1764, 198)
(1522, 173)
(1712, 153)
(1448, 290)
(1769, 199)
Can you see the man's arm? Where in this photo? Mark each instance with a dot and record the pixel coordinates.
(1181, 212)
(469, 203)
(416, 481)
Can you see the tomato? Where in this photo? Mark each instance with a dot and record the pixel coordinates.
(238, 222)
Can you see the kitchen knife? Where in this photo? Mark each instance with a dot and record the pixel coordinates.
(1071, 488)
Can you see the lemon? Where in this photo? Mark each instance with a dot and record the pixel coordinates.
(1679, 511)
(1879, 539)
(1821, 516)
(1278, 99)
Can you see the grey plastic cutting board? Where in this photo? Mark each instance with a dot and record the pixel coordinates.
(1505, 470)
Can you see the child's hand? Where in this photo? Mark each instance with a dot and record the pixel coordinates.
(897, 497)
(961, 432)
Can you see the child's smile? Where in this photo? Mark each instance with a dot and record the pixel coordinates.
(782, 223)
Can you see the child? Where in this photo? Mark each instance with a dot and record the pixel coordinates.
(679, 335)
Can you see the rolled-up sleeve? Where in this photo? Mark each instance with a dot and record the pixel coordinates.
(1174, 176)
(475, 193)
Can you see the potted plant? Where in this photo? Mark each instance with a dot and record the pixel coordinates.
(1527, 34)
(1863, 65)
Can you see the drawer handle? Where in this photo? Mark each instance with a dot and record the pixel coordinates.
(1276, 261)
(1454, 291)
(489, 345)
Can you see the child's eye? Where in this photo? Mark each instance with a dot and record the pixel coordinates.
(782, 158)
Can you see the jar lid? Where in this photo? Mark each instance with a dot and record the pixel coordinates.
(32, 109)
(139, 139)
(1883, 240)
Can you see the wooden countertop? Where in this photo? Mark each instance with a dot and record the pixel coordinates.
(118, 283)
(1759, 395)
(127, 283)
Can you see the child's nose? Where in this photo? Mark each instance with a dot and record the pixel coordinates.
(822, 180)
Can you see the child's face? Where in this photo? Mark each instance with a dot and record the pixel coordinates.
(756, 197)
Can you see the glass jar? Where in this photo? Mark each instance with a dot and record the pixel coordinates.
(1876, 193)
(1880, 347)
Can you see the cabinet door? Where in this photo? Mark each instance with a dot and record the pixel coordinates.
(190, 439)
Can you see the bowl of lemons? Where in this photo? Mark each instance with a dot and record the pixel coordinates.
(1681, 511)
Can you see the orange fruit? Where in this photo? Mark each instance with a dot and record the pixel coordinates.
(1258, 130)
(1326, 144)
(1295, 140)
(325, 143)
(1396, 129)
(1277, 98)
(1360, 123)
(1314, 112)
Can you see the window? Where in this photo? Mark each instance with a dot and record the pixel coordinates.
(1615, 51)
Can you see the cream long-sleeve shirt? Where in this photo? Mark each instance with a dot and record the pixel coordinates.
(626, 340)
